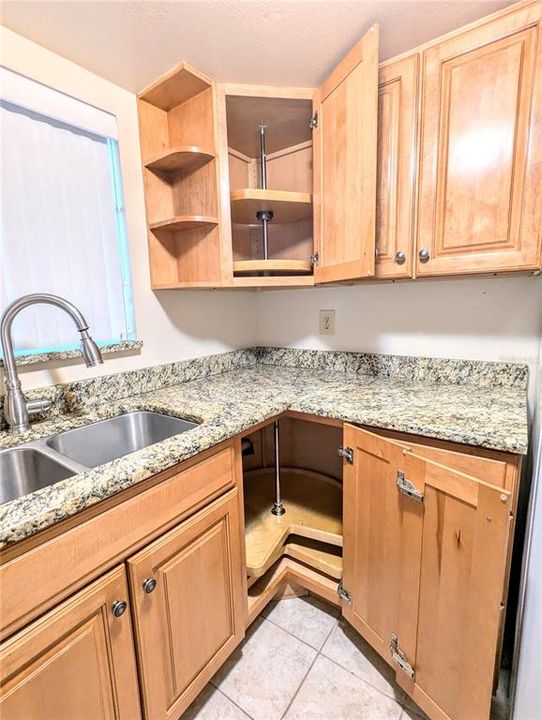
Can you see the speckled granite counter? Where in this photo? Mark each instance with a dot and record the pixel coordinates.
(481, 404)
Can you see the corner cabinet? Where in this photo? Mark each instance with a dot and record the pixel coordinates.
(425, 548)
(79, 655)
(255, 186)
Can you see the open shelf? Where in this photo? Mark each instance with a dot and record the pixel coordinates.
(177, 86)
(313, 504)
(320, 556)
(183, 223)
(286, 266)
(180, 159)
(287, 207)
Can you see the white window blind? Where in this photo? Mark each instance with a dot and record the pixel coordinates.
(62, 226)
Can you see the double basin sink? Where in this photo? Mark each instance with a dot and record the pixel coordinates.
(37, 464)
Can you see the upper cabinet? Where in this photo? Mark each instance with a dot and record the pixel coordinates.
(429, 164)
(397, 135)
(480, 178)
(345, 139)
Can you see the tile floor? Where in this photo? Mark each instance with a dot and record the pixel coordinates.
(299, 660)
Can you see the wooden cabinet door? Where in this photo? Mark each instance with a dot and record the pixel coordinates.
(397, 137)
(193, 618)
(481, 149)
(77, 661)
(382, 542)
(428, 568)
(344, 166)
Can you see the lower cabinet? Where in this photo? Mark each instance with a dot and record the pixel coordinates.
(425, 550)
(189, 608)
(77, 661)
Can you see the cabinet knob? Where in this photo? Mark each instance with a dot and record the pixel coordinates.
(424, 255)
(118, 608)
(149, 584)
(400, 257)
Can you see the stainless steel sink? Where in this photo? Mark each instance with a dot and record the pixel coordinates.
(96, 444)
(24, 470)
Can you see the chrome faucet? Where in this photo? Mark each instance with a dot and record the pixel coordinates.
(17, 408)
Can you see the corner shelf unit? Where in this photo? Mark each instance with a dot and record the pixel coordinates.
(272, 176)
(178, 129)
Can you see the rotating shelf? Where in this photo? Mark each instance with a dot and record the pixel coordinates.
(180, 159)
(313, 504)
(287, 207)
(182, 223)
(295, 267)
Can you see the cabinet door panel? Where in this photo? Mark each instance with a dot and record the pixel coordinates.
(194, 618)
(344, 161)
(397, 130)
(481, 154)
(464, 550)
(382, 542)
(77, 661)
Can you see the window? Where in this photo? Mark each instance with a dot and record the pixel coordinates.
(62, 226)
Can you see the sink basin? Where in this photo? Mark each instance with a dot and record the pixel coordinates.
(23, 470)
(103, 441)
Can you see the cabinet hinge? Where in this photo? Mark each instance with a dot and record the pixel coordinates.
(398, 657)
(347, 453)
(315, 258)
(344, 594)
(407, 488)
(313, 122)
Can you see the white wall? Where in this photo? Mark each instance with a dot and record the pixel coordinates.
(483, 319)
(173, 325)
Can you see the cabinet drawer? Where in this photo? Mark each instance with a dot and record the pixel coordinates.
(63, 564)
(76, 661)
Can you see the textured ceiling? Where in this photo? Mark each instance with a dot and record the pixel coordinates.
(275, 42)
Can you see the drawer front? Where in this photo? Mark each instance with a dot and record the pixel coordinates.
(58, 567)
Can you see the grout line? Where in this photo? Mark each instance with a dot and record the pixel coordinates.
(301, 639)
(233, 703)
(318, 654)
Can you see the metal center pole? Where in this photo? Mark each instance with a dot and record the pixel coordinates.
(264, 216)
(278, 508)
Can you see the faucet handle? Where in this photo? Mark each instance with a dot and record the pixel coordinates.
(39, 405)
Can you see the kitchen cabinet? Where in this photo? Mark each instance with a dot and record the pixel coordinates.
(77, 661)
(189, 606)
(397, 155)
(480, 173)
(219, 217)
(424, 567)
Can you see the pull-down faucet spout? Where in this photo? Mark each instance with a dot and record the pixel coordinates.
(17, 408)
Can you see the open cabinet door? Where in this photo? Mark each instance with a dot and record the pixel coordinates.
(344, 160)
(424, 561)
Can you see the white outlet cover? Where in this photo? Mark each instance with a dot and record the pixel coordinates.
(327, 322)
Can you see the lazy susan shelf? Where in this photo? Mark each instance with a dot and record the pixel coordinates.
(183, 223)
(296, 267)
(287, 207)
(180, 159)
(313, 504)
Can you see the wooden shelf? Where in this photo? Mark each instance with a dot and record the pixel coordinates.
(295, 267)
(274, 281)
(287, 207)
(181, 159)
(313, 504)
(183, 223)
(180, 84)
(320, 556)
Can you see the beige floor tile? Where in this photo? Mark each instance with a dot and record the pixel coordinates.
(331, 692)
(308, 618)
(347, 648)
(211, 704)
(263, 675)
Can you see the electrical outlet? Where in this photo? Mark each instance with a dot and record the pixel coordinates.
(327, 322)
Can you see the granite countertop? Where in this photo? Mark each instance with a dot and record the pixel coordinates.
(233, 401)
